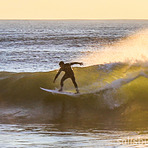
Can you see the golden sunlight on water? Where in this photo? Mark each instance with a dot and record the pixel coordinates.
(132, 49)
(53, 135)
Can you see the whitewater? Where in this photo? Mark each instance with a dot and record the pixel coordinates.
(113, 83)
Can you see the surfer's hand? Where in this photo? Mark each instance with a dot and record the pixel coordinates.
(81, 63)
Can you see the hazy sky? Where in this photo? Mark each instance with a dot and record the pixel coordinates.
(73, 9)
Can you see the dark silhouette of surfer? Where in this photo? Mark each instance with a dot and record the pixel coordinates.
(68, 74)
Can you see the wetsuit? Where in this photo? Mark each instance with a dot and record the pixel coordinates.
(68, 74)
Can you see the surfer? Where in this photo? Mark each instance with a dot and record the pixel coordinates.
(66, 67)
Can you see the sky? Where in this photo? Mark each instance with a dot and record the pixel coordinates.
(73, 9)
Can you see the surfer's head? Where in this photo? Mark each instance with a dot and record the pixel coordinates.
(61, 63)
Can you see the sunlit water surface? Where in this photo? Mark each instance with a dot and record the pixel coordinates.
(53, 135)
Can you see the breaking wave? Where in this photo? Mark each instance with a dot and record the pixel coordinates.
(116, 88)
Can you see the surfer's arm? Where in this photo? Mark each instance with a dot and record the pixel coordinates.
(57, 75)
(76, 63)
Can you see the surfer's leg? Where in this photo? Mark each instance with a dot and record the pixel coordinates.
(62, 82)
(75, 84)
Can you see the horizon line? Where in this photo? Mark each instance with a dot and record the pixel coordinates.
(23, 19)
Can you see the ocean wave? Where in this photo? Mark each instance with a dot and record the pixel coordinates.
(107, 91)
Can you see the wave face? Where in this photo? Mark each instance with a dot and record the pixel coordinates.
(108, 91)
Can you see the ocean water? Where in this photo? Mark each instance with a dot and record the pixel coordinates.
(50, 135)
(32, 46)
(111, 109)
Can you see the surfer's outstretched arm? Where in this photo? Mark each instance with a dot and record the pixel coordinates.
(57, 75)
(76, 63)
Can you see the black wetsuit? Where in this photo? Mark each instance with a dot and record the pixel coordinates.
(68, 74)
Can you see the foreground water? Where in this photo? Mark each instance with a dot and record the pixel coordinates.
(55, 135)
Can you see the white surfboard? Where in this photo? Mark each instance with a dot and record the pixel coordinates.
(58, 92)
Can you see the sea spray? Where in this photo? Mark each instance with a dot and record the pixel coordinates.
(132, 49)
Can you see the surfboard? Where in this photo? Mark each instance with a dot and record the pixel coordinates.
(58, 92)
